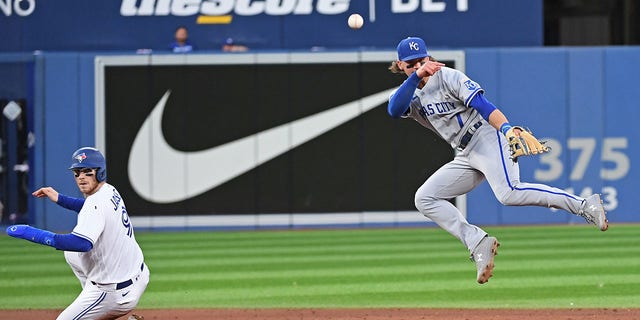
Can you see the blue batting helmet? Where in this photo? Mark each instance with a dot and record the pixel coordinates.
(87, 157)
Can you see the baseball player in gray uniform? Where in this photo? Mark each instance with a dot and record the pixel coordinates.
(102, 249)
(447, 102)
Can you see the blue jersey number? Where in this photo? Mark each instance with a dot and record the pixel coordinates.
(116, 199)
(126, 222)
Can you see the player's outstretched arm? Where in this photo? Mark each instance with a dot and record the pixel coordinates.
(497, 119)
(66, 202)
(66, 242)
(521, 141)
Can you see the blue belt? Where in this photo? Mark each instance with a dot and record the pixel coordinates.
(124, 284)
(467, 136)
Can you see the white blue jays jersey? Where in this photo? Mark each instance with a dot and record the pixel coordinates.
(442, 105)
(103, 220)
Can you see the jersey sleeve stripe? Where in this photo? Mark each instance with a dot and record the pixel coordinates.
(473, 94)
(83, 237)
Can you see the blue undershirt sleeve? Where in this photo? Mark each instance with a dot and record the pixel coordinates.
(71, 242)
(400, 100)
(482, 105)
(66, 242)
(70, 203)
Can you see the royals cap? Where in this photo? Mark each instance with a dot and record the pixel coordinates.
(411, 48)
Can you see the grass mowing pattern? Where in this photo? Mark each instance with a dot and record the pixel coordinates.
(537, 267)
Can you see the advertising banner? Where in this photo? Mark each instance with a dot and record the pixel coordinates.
(306, 133)
(72, 25)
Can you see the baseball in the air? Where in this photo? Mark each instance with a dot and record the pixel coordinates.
(355, 21)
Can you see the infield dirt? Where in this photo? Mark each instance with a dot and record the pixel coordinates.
(355, 314)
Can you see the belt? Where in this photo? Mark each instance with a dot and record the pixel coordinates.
(467, 136)
(123, 284)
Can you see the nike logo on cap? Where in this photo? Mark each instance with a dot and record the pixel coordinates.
(161, 174)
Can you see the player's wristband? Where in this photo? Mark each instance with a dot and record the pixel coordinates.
(505, 127)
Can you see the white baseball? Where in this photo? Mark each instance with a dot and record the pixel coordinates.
(355, 21)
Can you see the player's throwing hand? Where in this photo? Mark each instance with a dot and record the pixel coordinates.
(429, 68)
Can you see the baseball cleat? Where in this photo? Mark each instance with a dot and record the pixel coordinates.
(483, 255)
(592, 211)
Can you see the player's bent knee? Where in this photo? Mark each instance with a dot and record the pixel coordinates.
(508, 198)
(423, 203)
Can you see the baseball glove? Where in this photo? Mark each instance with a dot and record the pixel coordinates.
(524, 144)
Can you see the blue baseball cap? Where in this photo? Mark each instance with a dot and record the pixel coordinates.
(411, 48)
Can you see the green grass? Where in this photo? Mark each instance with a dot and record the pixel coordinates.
(537, 267)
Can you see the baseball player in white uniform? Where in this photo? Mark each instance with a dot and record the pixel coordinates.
(102, 249)
(453, 106)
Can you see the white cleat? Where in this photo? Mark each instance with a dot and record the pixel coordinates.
(483, 255)
(592, 211)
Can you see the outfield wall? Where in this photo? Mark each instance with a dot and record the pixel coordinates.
(580, 99)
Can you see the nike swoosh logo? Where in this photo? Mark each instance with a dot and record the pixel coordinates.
(161, 174)
(124, 294)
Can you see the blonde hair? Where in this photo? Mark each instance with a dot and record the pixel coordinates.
(395, 69)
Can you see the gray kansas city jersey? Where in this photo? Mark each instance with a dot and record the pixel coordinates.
(442, 105)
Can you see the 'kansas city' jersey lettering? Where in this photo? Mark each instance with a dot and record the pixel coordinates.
(438, 107)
